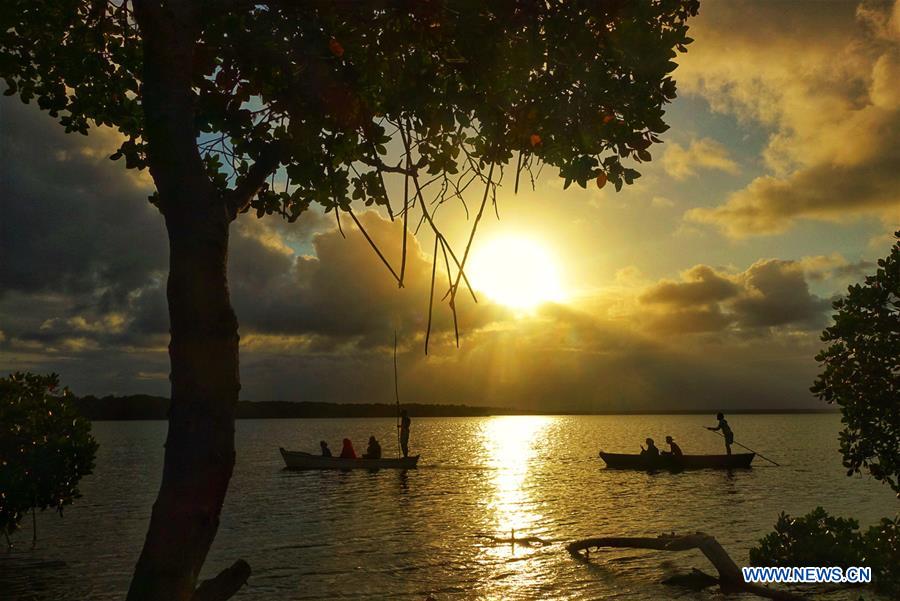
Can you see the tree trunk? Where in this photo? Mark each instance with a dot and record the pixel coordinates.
(203, 351)
(199, 455)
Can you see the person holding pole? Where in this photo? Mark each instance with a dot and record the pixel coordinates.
(726, 431)
(404, 432)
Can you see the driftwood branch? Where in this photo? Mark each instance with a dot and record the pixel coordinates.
(730, 577)
(225, 585)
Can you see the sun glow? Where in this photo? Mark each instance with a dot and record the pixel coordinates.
(516, 272)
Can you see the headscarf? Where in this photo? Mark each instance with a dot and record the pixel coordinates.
(347, 451)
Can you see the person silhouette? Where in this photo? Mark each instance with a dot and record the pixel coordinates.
(404, 432)
(348, 452)
(726, 431)
(374, 449)
(651, 450)
(326, 452)
(674, 449)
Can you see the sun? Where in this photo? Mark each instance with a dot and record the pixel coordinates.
(515, 271)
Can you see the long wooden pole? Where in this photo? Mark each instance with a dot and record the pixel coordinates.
(746, 447)
(397, 394)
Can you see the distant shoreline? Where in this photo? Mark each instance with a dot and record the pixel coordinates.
(146, 407)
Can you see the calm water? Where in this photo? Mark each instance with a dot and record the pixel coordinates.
(392, 535)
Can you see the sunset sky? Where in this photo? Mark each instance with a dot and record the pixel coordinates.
(704, 285)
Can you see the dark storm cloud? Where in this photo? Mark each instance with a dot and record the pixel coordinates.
(73, 221)
(83, 262)
(343, 293)
(563, 359)
(777, 295)
(80, 245)
(691, 320)
(768, 293)
(700, 285)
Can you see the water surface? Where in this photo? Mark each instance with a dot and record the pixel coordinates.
(404, 535)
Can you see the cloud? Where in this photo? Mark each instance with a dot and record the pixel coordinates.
(700, 285)
(770, 204)
(767, 294)
(776, 294)
(73, 221)
(823, 83)
(662, 202)
(704, 153)
(342, 292)
(835, 267)
(83, 266)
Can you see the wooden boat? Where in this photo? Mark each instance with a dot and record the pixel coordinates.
(298, 460)
(670, 462)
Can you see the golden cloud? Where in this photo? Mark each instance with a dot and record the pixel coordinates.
(704, 153)
(824, 82)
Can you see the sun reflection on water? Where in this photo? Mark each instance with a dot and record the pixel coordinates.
(511, 445)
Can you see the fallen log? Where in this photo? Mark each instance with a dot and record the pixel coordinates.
(730, 577)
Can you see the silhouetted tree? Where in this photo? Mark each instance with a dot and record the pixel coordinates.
(862, 371)
(45, 447)
(819, 539)
(216, 96)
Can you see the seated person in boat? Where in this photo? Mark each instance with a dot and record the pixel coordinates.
(651, 450)
(348, 452)
(374, 449)
(674, 449)
(326, 452)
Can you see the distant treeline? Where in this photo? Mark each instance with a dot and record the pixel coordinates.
(141, 406)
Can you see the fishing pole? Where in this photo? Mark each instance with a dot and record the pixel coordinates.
(746, 447)
(397, 394)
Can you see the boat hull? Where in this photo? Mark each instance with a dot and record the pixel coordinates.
(298, 460)
(669, 462)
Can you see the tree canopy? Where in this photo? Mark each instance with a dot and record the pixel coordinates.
(341, 95)
(45, 447)
(862, 371)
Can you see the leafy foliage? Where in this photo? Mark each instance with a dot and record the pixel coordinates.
(578, 85)
(882, 553)
(45, 447)
(818, 539)
(862, 371)
(814, 539)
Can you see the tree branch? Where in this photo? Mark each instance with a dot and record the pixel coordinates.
(462, 265)
(374, 246)
(239, 198)
(225, 585)
(384, 167)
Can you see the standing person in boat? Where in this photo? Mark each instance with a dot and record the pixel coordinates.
(374, 449)
(326, 452)
(674, 449)
(404, 432)
(726, 431)
(348, 452)
(651, 450)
